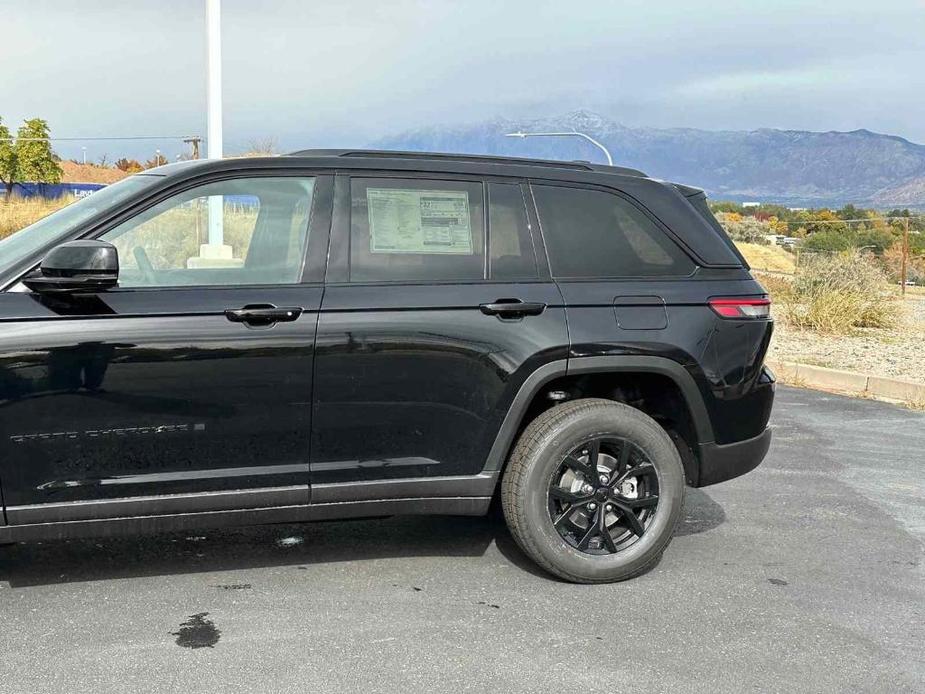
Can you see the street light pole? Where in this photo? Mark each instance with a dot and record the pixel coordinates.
(590, 139)
(214, 126)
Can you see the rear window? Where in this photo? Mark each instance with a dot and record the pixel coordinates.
(699, 203)
(593, 233)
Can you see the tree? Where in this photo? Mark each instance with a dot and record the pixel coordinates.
(29, 156)
(155, 161)
(129, 165)
(34, 159)
(261, 147)
(827, 241)
(7, 159)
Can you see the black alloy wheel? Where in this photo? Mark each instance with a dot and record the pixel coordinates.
(603, 495)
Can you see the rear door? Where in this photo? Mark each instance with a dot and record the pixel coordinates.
(435, 311)
(187, 388)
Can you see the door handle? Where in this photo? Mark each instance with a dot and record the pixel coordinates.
(263, 314)
(512, 308)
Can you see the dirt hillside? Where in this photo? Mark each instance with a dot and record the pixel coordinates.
(88, 173)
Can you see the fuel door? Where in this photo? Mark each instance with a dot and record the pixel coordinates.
(640, 312)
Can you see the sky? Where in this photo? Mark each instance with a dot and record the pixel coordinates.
(316, 73)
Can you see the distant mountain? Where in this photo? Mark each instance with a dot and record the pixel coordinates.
(792, 167)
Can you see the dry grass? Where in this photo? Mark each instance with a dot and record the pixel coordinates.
(17, 212)
(769, 258)
(839, 293)
(778, 286)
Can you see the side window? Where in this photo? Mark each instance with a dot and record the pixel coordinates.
(511, 255)
(592, 233)
(416, 229)
(236, 232)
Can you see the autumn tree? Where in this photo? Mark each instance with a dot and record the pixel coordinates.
(129, 165)
(7, 159)
(29, 156)
(155, 161)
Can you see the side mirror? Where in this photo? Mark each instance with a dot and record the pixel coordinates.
(76, 266)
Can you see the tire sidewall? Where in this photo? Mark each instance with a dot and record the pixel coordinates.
(615, 420)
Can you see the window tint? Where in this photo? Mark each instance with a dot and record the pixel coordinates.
(592, 233)
(416, 229)
(237, 232)
(511, 255)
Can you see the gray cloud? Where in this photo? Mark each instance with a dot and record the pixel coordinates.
(343, 73)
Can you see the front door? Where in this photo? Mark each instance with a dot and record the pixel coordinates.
(193, 376)
(424, 338)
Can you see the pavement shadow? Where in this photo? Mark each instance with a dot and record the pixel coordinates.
(229, 549)
(701, 513)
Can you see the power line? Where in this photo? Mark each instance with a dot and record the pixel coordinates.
(851, 221)
(82, 139)
(836, 221)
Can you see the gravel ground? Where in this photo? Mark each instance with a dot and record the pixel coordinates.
(803, 576)
(898, 353)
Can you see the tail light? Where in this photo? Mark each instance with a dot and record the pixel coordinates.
(741, 307)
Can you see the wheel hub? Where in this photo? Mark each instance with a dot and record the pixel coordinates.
(603, 496)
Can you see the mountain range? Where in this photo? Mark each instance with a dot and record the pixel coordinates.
(792, 167)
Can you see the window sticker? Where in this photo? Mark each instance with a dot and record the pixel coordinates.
(419, 221)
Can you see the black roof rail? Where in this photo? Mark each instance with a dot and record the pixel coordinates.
(476, 158)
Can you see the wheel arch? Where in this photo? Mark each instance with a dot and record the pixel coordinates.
(530, 395)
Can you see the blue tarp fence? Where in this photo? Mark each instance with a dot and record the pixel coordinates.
(81, 190)
(55, 190)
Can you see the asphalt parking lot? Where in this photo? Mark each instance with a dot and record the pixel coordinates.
(805, 575)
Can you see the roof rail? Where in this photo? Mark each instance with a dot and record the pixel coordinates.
(478, 158)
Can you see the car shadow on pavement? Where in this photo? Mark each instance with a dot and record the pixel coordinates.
(299, 545)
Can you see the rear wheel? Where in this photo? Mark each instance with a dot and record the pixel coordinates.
(593, 491)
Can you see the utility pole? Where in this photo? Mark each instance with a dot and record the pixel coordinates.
(905, 254)
(194, 141)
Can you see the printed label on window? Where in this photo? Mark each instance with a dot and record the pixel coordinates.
(419, 221)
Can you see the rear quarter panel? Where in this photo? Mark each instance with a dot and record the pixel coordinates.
(724, 357)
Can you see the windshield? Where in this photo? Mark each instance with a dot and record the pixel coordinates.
(59, 224)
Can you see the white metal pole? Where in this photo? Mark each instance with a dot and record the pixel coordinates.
(214, 60)
(590, 139)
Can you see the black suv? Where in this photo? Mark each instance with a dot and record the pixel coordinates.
(339, 334)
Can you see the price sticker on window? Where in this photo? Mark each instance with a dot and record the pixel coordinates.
(419, 221)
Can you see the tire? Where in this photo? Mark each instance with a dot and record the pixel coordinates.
(549, 445)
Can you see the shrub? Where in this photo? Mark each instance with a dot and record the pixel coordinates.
(836, 293)
(745, 229)
(779, 287)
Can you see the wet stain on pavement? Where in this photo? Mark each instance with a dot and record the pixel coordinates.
(197, 632)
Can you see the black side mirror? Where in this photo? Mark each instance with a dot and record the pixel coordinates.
(76, 266)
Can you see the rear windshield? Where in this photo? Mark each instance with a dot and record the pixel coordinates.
(60, 224)
(699, 202)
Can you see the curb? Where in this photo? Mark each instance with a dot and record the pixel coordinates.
(849, 382)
